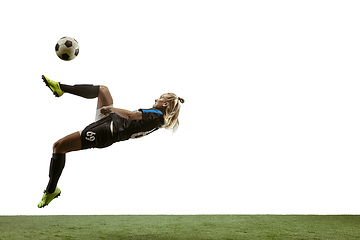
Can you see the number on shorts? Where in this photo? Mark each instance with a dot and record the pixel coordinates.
(90, 136)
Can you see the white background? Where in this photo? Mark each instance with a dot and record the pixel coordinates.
(270, 124)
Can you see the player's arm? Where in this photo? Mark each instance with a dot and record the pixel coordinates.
(137, 115)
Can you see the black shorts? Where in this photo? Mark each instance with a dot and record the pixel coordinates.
(97, 134)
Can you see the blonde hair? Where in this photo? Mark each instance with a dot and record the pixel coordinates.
(172, 111)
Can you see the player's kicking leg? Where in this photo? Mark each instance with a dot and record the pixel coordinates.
(84, 90)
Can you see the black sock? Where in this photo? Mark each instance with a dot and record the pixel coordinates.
(83, 90)
(57, 164)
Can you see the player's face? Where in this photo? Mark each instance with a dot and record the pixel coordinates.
(160, 103)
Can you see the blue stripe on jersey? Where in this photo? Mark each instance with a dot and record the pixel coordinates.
(152, 111)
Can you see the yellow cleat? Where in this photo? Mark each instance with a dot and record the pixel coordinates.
(48, 197)
(54, 86)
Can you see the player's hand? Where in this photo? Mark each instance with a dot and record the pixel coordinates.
(106, 110)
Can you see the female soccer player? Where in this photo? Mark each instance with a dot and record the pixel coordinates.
(111, 125)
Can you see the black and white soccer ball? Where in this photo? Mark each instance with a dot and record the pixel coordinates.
(67, 48)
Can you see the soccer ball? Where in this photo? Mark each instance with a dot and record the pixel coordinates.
(67, 48)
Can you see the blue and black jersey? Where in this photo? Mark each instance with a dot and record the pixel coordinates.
(152, 120)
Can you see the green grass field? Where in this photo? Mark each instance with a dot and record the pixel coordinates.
(181, 227)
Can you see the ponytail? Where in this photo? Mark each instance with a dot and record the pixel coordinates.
(181, 100)
(172, 111)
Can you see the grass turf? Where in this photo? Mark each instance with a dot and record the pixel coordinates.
(181, 227)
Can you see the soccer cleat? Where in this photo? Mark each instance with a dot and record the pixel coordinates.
(48, 197)
(54, 86)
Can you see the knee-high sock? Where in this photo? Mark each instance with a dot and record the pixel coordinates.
(57, 164)
(83, 90)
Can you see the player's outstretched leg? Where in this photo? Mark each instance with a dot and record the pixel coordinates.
(67, 144)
